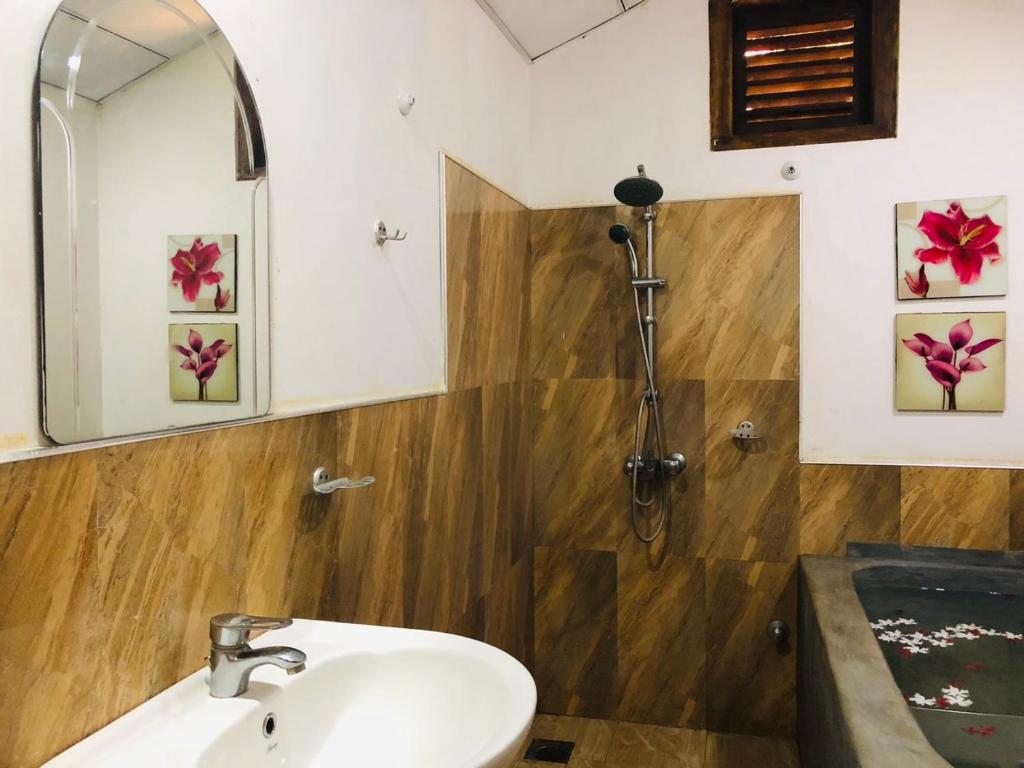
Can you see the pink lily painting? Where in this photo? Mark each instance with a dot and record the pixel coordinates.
(201, 273)
(950, 248)
(951, 362)
(203, 365)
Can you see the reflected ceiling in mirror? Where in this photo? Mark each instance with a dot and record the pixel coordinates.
(152, 223)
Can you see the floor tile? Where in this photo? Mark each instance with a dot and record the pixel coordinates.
(726, 750)
(653, 746)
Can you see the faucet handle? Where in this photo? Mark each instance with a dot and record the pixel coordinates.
(232, 630)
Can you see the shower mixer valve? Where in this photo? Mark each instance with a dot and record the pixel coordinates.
(650, 466)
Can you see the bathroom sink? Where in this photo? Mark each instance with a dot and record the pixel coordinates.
(370, 697)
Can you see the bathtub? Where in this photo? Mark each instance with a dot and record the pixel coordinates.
(911, 659)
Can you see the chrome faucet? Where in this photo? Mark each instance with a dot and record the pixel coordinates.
(232, 660)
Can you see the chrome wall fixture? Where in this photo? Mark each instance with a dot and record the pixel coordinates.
(380, 233)
(650, 466)
(324, 486)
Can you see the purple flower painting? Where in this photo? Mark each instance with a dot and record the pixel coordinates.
(948, 362)
(947, 248)
(203, 367)
(201, 273)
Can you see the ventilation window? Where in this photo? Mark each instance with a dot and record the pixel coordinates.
(802, 71)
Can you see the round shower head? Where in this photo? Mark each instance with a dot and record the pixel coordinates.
(638, 191)
(619, 234)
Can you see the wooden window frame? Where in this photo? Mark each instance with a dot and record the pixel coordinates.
(884, 84)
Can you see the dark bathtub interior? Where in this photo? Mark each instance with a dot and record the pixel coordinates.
(953, 635)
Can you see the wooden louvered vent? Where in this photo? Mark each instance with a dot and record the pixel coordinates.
(800, 66)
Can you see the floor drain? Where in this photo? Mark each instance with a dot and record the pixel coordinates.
(550, 751)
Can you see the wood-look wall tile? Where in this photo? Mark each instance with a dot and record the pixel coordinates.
(751, 684)
(842, 503)
(578, 290)
(955, 507)
(752, 504)
(661, 635)
(292, 532)
(651, 746)
(583, 433)
(753, 279)
(1017, 510)
(683, 408)
(51, 630)
(443, 569)
(507, 457)
(508, 611)
(728, 750)
(574, 641)
(369, 566)
(488, 254)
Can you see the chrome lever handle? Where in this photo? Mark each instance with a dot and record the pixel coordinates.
(232, 630)
(323, 485)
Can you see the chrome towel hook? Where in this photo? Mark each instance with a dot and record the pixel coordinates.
(380, 233)
(324, 486)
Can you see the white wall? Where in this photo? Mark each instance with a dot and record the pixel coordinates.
(637, 91)
(350, 323)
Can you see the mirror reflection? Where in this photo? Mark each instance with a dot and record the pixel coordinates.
(152, 223)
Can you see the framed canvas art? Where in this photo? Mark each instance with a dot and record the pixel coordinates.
(202, 271)
(951, 361)
(951, 248)
(203, 362)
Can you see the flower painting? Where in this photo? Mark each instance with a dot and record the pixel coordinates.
(951, 362)
(203, 362)
(949, 248)
(201, 273)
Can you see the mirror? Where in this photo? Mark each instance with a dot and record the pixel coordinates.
(152, 223)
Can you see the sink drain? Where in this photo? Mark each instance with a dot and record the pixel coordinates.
(269, 725)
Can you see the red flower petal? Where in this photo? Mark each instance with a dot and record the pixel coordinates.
(189, 365)
(960, 334)
(971, 365)
(991, 252)
(944, 373)
(212, 278)
(195, 341)
(981, 346)
(942, 230)
(186, 352)
(182, 262)
(933, 255)
(967, 265)
(190, 287)
(942, 352)
(916, 346)
(206, 370)
(206, 255)
(981, 232)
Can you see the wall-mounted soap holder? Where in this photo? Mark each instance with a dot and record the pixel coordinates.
(748, 438)
(324, 486)
(745, 430)
(380, 233)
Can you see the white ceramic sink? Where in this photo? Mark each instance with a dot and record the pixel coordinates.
(371, 697)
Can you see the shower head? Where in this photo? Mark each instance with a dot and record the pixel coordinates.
(638, 191)
(619, 234)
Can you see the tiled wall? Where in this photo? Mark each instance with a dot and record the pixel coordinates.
(676, 635)
(113, 560)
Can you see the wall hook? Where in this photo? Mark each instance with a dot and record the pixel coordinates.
(380, 233)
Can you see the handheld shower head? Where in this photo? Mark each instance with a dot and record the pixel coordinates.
(619, 234)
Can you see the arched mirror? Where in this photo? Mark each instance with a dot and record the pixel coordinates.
(152, 223)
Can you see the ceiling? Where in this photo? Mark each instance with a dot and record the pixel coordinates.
(130, 40)
(537, 27)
